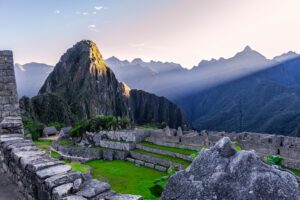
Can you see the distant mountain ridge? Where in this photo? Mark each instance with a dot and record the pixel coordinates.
(30, 77)
(214, 93)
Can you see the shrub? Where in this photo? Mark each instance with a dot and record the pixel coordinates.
(99, 123)
(124, 123)
(273, 159)
(80, 128)
(33, 127)
(193, 156)
(162, 125)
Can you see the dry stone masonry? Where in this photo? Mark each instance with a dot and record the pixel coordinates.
(263, 144)
(10, 120)
(37, 175)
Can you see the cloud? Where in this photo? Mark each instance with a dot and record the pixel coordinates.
(56, 12)
(85, 13)
(93, 27)
(94, 13)
(98, 7)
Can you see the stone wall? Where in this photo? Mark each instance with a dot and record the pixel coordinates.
(84, 154)
(162, 152)
(10, 120)
(154, 160)
(41, 177)
(263, 144)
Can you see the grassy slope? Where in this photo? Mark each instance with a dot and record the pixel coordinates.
(177, 160)
(125, 177)
(172, 149)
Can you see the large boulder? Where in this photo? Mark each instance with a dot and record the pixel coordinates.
(223, 173)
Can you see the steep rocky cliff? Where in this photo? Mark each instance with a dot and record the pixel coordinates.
(146, 106)
(83, 83)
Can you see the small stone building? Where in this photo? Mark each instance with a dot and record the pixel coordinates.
(50, 131)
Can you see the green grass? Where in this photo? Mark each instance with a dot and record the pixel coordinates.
(55, 154)
(43, 145)
(149, 127)
(295, 171)
(236, 146)
(65, 142)
(177, 160)
(76, 166)
(125, 177)
(172, 149)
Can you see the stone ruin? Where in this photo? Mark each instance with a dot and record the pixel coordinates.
(36, 174)
(10, 119)
(263, 144)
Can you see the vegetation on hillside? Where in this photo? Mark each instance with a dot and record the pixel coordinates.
(32, 128)
(99, 123)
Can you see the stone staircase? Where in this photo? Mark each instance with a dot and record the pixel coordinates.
(160, 157)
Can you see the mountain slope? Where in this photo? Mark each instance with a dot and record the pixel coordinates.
(89, 87)
(82, 78)
(266, 101)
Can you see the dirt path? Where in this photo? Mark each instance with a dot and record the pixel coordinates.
(8, 190)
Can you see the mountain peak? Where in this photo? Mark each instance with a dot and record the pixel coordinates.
(247, 49)
(137, 61)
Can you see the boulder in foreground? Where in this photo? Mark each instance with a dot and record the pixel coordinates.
(223, 173)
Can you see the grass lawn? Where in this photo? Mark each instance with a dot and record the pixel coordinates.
(177, 160)
(65, 142)
(172, 149)
(43, 145)
(124, 177)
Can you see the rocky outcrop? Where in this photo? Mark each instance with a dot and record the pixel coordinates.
(223, 173)
(83, 86)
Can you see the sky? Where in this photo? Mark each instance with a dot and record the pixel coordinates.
(181, 31)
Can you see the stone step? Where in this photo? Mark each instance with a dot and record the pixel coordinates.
(158, 159)
(147, 164)
(164, 152)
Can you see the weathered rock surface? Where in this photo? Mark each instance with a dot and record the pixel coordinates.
(84, 86)
(223, 173)
(47, 108)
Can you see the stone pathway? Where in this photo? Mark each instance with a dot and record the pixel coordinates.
(8, 190)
